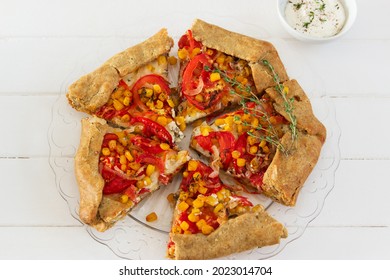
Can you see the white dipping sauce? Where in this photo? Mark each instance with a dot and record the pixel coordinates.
(318, 18)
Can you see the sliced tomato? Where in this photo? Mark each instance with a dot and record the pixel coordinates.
(188, 42)
(151, 159)
(117, 185)
(152, 128)
(108, 137)
(257, 180)
(150, 80)
(131, 192)
(147, 145)
(243, 200)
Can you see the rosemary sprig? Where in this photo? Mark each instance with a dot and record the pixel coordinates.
(287, 102)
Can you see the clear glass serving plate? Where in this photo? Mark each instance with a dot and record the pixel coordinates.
(133, 237)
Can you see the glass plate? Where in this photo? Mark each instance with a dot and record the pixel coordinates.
(133, 237)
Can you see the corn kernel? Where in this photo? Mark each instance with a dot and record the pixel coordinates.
(120, 149)
(122, 159)
(219, 122)
(201, 223)
(171, 103)
(255, 122)
(135, 165)
(162, 59)
(183, 196)
(171, 198)
(147, 181)
(265, 149)
(164, 146)
(182, 206)
(162, 96)
(215, 77)
(157, 88)
(162, 120)
(197, 176)
(198, 203)
(185, 174)
(187, 232)
(183, 126)
(209, 52)
(199, 98)
(140, 184)
(128, 155)
(218, 208)
(202, 190)
(206, 229)
(151, 217)
(172, 60)
(125, 118)
(241, 162)
(179, 120)
(285, 90)
(176, 229)
(192, 165)
(126, 101)
(148, 92)
(211, 200)
(193, 218)
(112, 144)
(117, 105)
(184, 225)
(229, 120)
(182, 54)
(150, 169)
(263, 143)
(253, 150)
(221, 59)
(195, 51)
(124, 198)
(236, 154)
(204, 130)
(240, 128)
(106, 151)
(159, 104)
(150, 67)
(252, 140)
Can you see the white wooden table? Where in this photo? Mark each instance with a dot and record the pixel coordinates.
(43, 41)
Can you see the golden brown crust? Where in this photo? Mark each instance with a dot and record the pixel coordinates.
(287, 173)
(306, 121)
(245, 232)
(247, 48)
(93, 90)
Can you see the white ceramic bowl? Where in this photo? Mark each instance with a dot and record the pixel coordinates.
(350, 10)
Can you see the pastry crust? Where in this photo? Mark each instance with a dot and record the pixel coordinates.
(93, 90)
(247, 48)
(247, 231)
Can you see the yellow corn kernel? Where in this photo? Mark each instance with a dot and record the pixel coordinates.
(189, 201)
(182, 206)
(183, 126)
(215, 77)
(120, 134)
(199, 98)
(147, 181)
(285, 90)
(265, 149)
(240, 128)
(211, 200)
(171, 198)
(124, 167)
(164, 146)
(106, 151)
(198, 203)
(206, 229)
(218, 208)
(159, 104)
(193, 218)
(135, 165)
(184, 225)
(150, 169)
(126, 101)
(162, 59)
(171, 103)
(150, 67)
(201, 223)
(112, 144)
(162, 96)
(182, 54)
(204, 130)
(241, 162)
(151, 217)
(183, 196)
(221, 59)
(195, 51)
(251, 140)
(117, 105)
(124, 198)
(120, 149)
(162, 120)
(187, 232)
(255, 122)
(176, 229)
(125, 118)
(127, 93)
(179, 120)
(128, 155)
(148, 92)
(192, 165)
(202, 190)
(219, 122)
(229, 120)
(172, 60)
(122, 159)
(209, 51)
(197, 176)
(244, 81)
(236, 154)
(263, 143)
(253, 150)
(185, 174)
(157, 88)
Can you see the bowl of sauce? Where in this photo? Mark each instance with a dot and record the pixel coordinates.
(317, 20)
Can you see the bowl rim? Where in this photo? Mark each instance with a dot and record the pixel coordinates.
(350, 8)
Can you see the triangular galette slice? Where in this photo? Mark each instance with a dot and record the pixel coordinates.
(211, 221)
(215, 66)
(131, 87)
(116, 168)
(256, 145)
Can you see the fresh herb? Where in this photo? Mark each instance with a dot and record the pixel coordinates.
(298, 5)
(311, 18)
(322, 7)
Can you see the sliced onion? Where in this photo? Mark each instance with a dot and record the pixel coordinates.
(197, 90)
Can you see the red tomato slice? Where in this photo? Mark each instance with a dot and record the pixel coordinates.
(152, 128)
(151, 79)
(147, 145)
